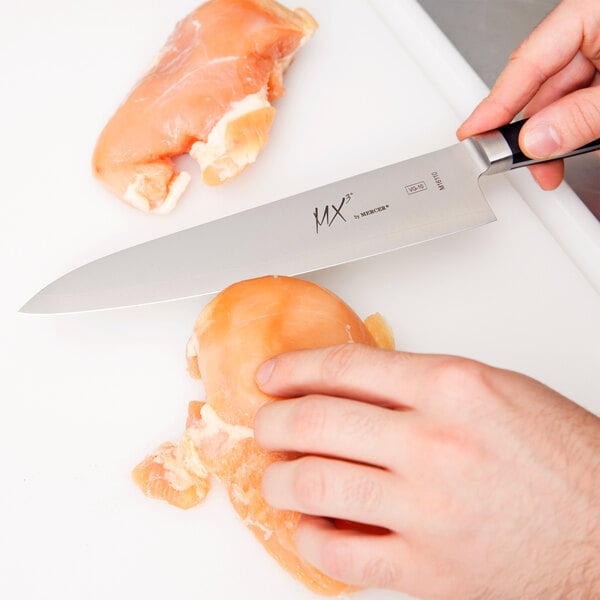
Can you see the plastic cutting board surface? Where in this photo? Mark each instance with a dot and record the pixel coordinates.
(84, 397)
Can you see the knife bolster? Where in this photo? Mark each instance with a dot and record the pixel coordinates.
(492, 151)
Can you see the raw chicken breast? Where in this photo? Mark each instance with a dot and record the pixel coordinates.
(208, 94)
(242, 327)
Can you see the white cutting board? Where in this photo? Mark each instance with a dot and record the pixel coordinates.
(84, 397)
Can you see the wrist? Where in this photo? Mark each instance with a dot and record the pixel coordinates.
(585, 576)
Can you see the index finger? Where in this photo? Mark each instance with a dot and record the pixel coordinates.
(547, 50)
(354, 371)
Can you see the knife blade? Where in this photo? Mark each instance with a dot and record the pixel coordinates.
(402, 204)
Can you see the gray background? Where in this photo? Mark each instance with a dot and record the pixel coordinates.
(486, 32)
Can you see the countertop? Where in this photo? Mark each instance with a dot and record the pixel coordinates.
(485, 32)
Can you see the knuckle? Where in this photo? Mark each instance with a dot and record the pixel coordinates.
(382, 573)
(536, 70)
(454, 453)
(362, 493)
(451, 451)
(309, 420)
(358, 423)
(585, 116)
(459, 378)
(516, 56)
(309, 485)
(338, 361)
(338, 559)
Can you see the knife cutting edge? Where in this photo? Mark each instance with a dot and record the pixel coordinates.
(399, 205)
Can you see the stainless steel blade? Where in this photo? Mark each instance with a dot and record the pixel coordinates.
(399, 205)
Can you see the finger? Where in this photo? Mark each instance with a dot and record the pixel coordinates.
(548, 175)
(565, 125)
(530, 65)
(579, 73)
(378, 561)
(334, 427)
(353, 371)
(337, 489)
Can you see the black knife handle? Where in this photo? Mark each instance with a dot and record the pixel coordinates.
(511, 132)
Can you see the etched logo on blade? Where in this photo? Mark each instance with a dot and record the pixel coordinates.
(327, 216)
(438, 181)
(371, 211)
(415, 188)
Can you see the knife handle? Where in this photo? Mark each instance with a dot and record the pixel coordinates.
(511, 132)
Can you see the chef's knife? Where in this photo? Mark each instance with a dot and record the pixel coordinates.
(398, 205)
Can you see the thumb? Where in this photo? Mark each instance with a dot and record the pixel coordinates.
(563, 126)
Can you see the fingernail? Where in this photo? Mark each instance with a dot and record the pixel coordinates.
(541, 141)
(264, 373)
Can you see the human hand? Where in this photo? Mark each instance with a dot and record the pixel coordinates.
(487, 481)
(553, 78)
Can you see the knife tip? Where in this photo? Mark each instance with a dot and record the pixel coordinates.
(37, 305)
(29, 308)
